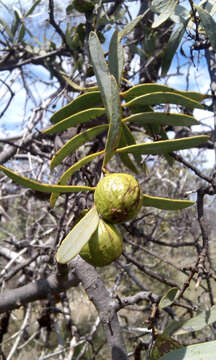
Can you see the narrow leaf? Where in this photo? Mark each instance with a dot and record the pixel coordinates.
(76, 119)
(209, 25)
(124, 142)
(143, 89)
(21, 33)
(116, 57)
(35, 185)
(167, 11)
(77, 87)
(30, 11)
(70, 171)
(129, 27)
(163, 97)
(161, 118)
(193, 352)
(130, 140)
(165, 203)
(172, 46)
(101, 71)
(114, 132)
(165, 146)
(75, 143)
(78, 237)
(168, 299)
(88, 100)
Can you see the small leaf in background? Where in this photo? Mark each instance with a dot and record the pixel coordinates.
(161, 118)
(167, 9)
(172, 46)
(129, 27)
(203, 319)
(101, 71)
(162, 346)
(165, 146)
(80, 103)
(116, 57)
(209, 25)
(32, 8)
(158, 98)
(78, 237)
(74, 120)
(47, 188)
(70, 171)
(114, 132)
(201, 351)
(168, 299)
(75, 143)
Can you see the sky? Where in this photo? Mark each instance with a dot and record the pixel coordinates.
(12, 123)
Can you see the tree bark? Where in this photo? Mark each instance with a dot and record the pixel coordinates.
(105, 305)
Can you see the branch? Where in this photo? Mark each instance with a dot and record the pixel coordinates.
(54, 24)
(105, 305)
(37, 290)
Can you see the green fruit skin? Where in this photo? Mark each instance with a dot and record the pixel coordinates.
(104, 246)
(118, 197)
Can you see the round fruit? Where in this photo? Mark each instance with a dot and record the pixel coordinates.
(104, 246)
(118, 198)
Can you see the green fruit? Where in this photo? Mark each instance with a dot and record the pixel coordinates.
(104, 246)
(118, 197)
(83, 6)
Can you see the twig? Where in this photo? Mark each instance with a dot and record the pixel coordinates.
(23, 326)
(54, 24)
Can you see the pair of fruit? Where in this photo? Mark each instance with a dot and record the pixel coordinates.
(117, 199)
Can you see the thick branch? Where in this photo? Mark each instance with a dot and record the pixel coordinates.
(38, 290)
(105, 305)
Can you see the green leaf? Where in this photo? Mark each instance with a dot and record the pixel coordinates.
(209, 25)
(72, 170)
(75, 143)
(163, 97)
(166, 11)
(16, 22)
(85, 101)
(168, 299)
(116, 57)
(21, 33)
(6, 27)
(165, 203)
(129, 27)
(114, 132)
(47, 188)
(78, 237)
(203, 319)
(161, 118)
(162, 346)
(30, 11)
(172, 46)
(124, 142)
(77, 87)
(76, 119)
(143, 89)
(101, 71)
(202, 351)
(165, 146)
